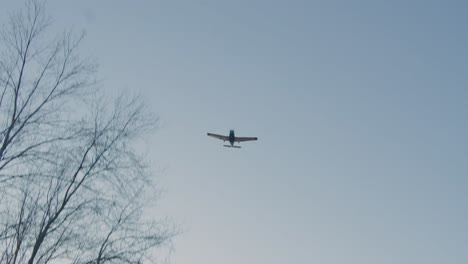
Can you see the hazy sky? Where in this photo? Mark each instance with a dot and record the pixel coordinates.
(361, 109)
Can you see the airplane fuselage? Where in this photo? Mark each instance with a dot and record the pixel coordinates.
(232, 137)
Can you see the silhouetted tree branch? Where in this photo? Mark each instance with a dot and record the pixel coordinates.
(72, 189)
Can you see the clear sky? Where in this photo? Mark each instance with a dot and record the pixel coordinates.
(361, 109)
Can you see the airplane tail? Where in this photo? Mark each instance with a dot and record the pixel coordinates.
(229, 146)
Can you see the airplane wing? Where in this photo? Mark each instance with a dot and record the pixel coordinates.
(225, 138)
(242, 139)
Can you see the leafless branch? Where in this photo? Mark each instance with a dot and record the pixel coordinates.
(72, 189)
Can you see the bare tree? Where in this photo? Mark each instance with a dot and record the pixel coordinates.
(72, 189)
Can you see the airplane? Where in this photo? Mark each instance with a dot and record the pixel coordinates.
(232, 138)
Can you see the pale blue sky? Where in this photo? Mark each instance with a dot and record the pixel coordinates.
(360, 108)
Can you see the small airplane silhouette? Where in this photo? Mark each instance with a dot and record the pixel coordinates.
(232, 139)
